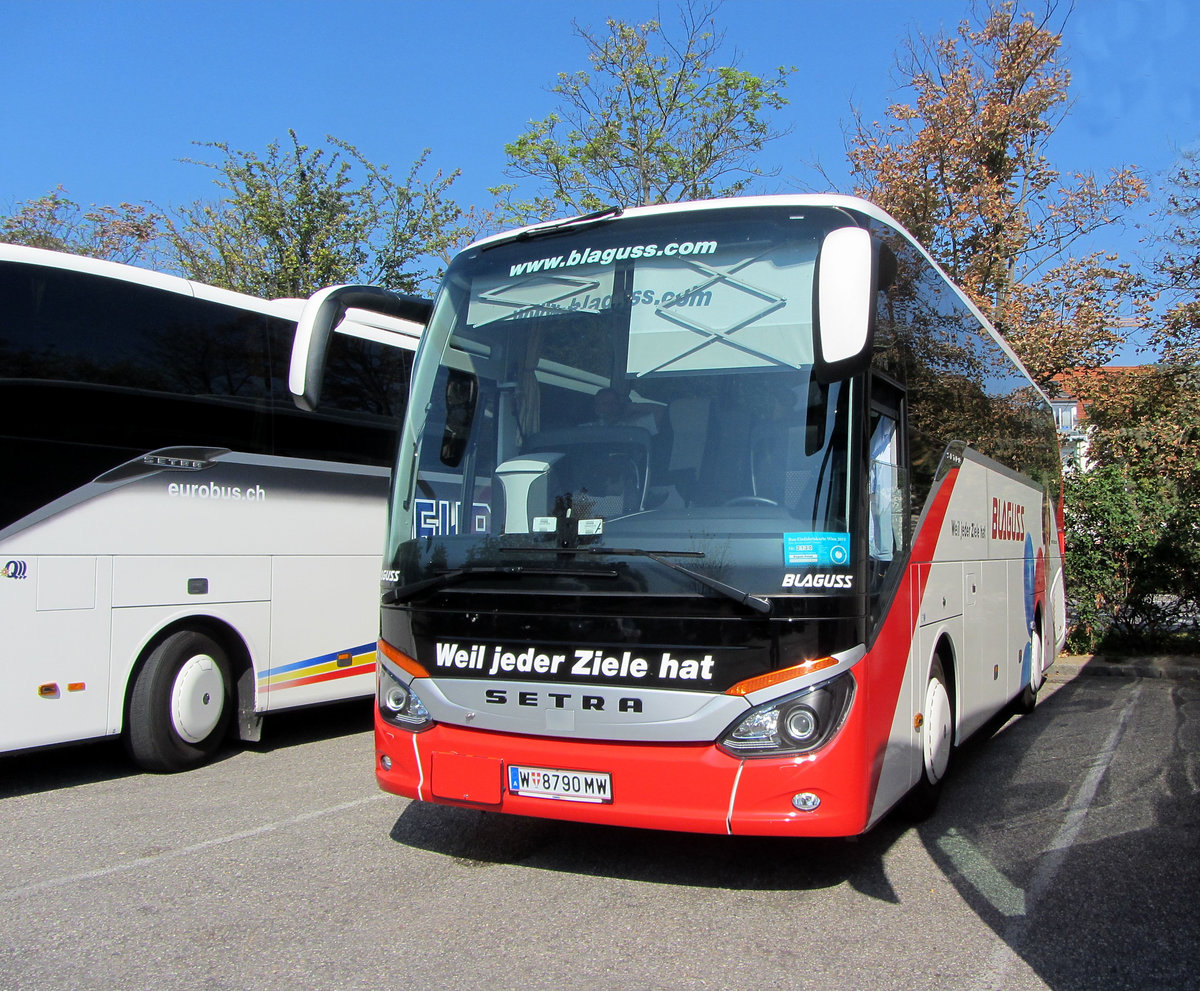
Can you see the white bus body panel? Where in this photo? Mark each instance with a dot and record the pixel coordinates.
(338, 598)
(977, 599)
(255, 544)
(52, 610)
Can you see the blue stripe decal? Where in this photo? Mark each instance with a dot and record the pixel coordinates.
(310, 662)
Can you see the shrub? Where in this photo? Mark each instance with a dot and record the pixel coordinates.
(1133, 563)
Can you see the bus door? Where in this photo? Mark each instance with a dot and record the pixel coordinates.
(896, 660)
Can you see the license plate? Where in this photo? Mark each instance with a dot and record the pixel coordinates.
(565, 786)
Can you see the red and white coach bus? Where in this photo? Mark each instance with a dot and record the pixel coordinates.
(729, 517)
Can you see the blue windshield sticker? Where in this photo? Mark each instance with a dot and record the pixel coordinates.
(816, 549)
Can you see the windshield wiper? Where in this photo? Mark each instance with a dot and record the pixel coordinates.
(457, 575)
(543, 230)
(755, 602)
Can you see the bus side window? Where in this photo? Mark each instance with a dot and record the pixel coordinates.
(887, 495)
(882, 536)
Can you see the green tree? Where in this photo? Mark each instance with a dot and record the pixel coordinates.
(1178, 265)
(296, 219)
(1145, 422)
(657, 119)
(121, 233)
(1133, 534)
(965, 167)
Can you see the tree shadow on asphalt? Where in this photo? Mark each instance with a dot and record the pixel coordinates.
(1084, 910)
(1114, 911)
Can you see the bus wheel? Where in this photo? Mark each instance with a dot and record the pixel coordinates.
(1028, 697)
(181, 703)
(937, 740)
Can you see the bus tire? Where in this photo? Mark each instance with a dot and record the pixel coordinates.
(181, 703)
(1028, 698)
(937, 743)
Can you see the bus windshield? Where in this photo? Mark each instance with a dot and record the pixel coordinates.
(632, 405)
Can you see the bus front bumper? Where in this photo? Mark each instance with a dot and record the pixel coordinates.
(689, 787)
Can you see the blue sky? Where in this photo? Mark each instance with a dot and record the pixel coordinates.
(105, 97)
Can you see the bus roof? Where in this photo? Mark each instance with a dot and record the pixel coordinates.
(835, 200)
(287, 309)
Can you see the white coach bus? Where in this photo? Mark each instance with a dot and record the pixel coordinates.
(181, 549)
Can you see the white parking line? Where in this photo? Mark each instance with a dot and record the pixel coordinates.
(132, 865)
(1055, 855)
(1004, 896)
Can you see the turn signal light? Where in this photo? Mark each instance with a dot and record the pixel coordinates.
(782, 675)
(50, 689)
(402, 661)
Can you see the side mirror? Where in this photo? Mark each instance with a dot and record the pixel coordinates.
(845, 303)
(324, 311)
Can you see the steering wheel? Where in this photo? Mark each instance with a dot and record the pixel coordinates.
(751, 500)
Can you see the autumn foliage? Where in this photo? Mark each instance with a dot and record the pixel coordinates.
(964, 165)
(57, 223)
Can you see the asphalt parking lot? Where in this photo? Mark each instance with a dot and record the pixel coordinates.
(1066, 854)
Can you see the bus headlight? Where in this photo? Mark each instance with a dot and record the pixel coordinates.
(794, 724)
(399, 704)
(801, 725)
